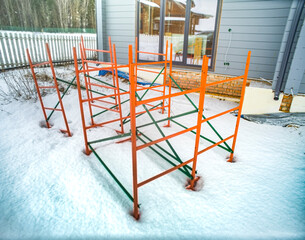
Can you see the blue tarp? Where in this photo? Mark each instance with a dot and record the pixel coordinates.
(123, 75)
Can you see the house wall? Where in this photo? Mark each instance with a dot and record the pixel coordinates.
(295, 80)
(119, 23)
(256, 25)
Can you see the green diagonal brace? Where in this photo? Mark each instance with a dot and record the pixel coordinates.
(108, 109)
(211, 126)
(110, 138)
(168, 118)
(143, 113)
(207, 139)
(104, 82)
(62, 96)
(166, 159)
(160, 131)
(146, 90)
(161, 148)
(61, 80)
(112, 175)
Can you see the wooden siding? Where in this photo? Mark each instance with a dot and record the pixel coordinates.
(257, 25)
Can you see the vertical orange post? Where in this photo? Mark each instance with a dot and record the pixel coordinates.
(240, 105)
(164, 76)
(136, 59)
(204, 72)
(57, 90)
(170, 84)
(83, 53)
(118, 95)
(37, 88)
(80, 102)
(87, 80)
(133, 133)
(113, 72)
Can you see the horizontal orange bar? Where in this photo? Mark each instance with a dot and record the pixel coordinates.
(215, 144)
(145, 70)
(102, 86)
(223, 81)
(53, 109)
(96, 50)
(160, 54)
(164, 173)
(39, 64)
(219, 114)
(47, 87)
(101, 97)
(140, 88)
(110, 109)
(97, 62)
(167, 96)
(103, 101)
(165, 138)
(150, 63)
(118, 119)
(95, 69)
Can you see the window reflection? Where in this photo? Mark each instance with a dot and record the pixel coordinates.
(149, 28)
(201, 30)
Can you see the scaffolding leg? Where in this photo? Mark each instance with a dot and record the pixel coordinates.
(240, 106)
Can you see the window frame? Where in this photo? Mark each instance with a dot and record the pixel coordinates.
(182, 63)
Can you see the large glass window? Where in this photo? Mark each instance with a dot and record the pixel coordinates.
(188, 24)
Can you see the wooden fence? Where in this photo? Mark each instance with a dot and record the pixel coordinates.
(13, 47)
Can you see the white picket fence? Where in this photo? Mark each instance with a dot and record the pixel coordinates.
(13, 47)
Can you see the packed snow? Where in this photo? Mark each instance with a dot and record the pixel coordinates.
(50, 189)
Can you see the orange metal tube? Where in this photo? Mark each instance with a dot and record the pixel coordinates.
(219, 114)
(57, 90)
(204, 73)
(37, 88)
(166, 96)
(223, 81)
(164, 173)
(240, 105)
(112, 71)
(97, 50)
(39, 64)
(161, 54)
(145, 70)
(133, 134)
(164, 76)
(87, 80)
(80, 102)
(110, 109)
(42, 87)
(53, 109)
(151, 63)
(170, 84)
(215, 144)
(102, 86)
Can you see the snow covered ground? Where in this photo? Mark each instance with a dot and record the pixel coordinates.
(50, 189)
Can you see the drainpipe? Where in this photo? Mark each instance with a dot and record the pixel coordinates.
(293, 28)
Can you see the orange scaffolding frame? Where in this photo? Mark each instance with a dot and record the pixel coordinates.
(136, 101)
(55, 86)
(134, 131)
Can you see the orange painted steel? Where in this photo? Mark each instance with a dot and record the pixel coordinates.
(202, 89)
(240, 105)
(95, 102)
(133, 130)
(134, 103)
(62, 109)
(115, 83)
